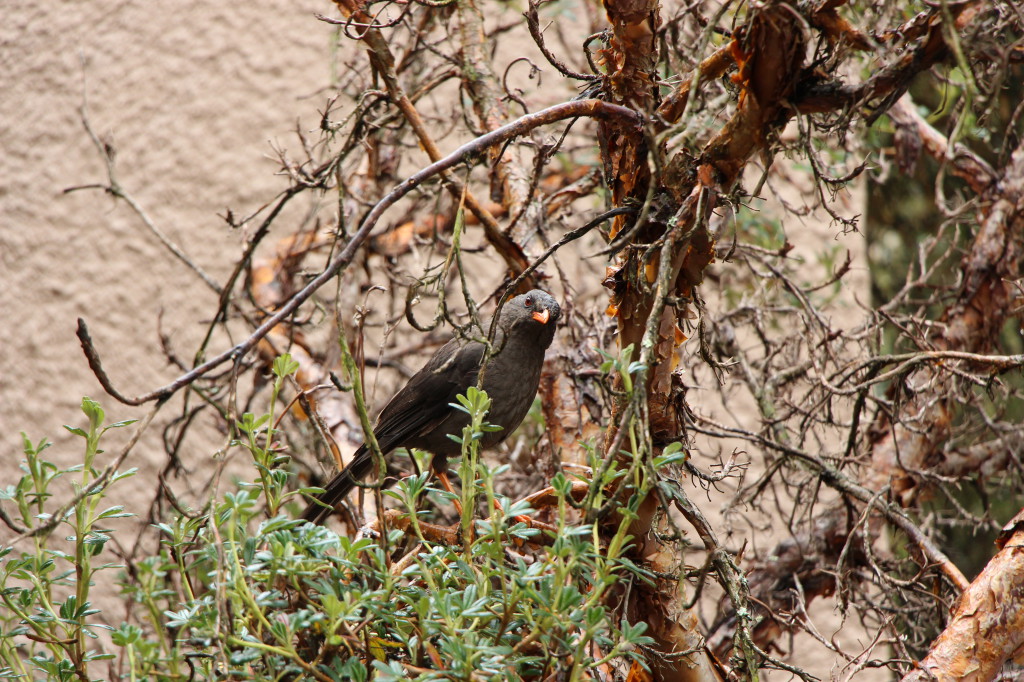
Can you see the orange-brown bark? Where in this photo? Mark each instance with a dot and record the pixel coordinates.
(987, 627)
(915, 440)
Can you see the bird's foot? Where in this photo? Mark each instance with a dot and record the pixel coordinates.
(518, 518)
(442, 478)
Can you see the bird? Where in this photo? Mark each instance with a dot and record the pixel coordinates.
(421, 416)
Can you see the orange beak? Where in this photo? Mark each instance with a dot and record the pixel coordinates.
(542, 316)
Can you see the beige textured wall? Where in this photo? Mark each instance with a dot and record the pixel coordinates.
(191, 94)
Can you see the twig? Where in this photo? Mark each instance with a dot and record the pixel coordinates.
(839, 481)
(114, 189)
(533, 23)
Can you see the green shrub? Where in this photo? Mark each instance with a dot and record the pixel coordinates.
(242, 591)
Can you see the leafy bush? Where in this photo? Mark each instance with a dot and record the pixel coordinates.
(242, 591)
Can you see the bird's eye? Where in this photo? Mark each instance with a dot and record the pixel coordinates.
(529, 301)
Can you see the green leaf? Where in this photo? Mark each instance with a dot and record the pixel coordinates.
(113, 513)
(670, 455)
(94, 412)
(118, 475)
(284, 366)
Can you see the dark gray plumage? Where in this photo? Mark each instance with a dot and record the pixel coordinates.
(420, 416)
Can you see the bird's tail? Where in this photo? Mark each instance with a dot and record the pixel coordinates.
(340, 486)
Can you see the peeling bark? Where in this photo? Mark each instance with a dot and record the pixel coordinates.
(916, 439)
(987, 627)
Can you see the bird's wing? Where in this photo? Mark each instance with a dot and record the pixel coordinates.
(424, 402)
(421, 406)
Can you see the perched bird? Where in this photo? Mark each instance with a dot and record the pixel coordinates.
(420, 415)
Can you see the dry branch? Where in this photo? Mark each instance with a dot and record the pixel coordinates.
(522, 125)
(912, 440)
(384, 62)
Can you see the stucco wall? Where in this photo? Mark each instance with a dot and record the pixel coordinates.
(190, 94)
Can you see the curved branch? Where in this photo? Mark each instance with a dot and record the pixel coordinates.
(589, 107)
(533, 23)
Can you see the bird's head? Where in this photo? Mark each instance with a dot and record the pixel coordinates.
(535, 310)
